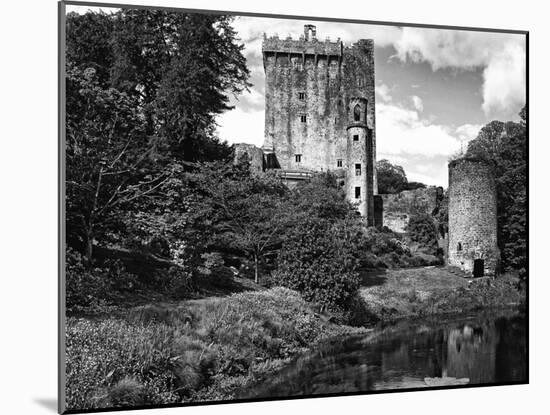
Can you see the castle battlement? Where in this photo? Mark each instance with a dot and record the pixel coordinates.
(307, 44)
(302, 47)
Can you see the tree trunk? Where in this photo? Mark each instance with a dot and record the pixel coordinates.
(89, 246)
(256, 268)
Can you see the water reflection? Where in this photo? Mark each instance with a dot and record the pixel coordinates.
(485, 349)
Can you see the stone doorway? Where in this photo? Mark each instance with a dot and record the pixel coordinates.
(479, 267)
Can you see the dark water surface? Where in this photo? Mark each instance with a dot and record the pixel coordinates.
(484, 348)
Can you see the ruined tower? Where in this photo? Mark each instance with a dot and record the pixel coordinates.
(312, 92)
(472, 217)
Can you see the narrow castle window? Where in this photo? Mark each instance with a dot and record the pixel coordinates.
(303, 118)
(459, 246)
(358, 169)
(298, 158)
(339, 163)
(358, 192)
(356, 137)
(357, 113)
(301, 96)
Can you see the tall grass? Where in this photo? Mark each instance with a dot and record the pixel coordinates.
(202, 349)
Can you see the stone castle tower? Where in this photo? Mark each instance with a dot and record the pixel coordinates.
(472, 217)
(319, 112)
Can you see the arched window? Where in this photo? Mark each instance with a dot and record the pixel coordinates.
(357, 113)
(459, 247)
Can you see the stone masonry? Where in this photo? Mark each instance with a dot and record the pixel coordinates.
(320, 112)
(399, 207)
(472, 215)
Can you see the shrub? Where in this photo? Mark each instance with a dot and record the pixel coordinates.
(382, 249)
(214, 271)
(318, 259)
(93, 288)
(422, 229)
(127, 392)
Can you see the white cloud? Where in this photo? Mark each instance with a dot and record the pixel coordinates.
(251, 29)
(401, 131)
(505, 81)
(417, 103)
(467, 132)
(502, 57)
(238, 126)
(392, 158)
(383, 92)
(438, 176)
(250, 101)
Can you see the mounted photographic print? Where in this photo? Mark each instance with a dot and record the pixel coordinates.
(261, 207)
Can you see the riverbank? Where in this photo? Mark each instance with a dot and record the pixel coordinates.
(193, 351)
(207, 349)
(390, 295)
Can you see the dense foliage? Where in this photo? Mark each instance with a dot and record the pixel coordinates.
(383, 248)
(422, 229)
(143, 90)
(504, 145)
(392, 178)
(237, 211)
(319, 260)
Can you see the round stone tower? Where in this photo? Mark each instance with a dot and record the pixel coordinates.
(359, 175)
(472, 217)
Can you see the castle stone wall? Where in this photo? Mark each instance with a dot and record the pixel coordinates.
(472, 215)
(399, 207)
(310, 85)
(255, 156)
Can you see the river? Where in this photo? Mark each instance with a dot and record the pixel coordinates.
(478, 349)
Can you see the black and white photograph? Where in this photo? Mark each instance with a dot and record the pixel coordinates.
(264, 207)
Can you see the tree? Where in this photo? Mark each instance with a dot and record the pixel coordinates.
(108, 158)
(322, 198)
(181, 68)
(422, 229)
(240, 211)
(89, 43)
(143, 88)
(391, 178)
(252, 214)
(319, 259)
(504, 146)
(415, 185)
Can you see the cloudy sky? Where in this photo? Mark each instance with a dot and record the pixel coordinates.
(434, 88)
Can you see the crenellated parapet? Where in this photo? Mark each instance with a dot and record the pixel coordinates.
(302, 46)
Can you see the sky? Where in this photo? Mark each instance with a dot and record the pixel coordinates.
(435, 88)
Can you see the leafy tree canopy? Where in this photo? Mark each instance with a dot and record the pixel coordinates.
(392, 178)
(143, 90)
(504, 145)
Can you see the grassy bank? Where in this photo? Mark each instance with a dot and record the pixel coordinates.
(197, 350)
(400, 293)
(207, 349)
